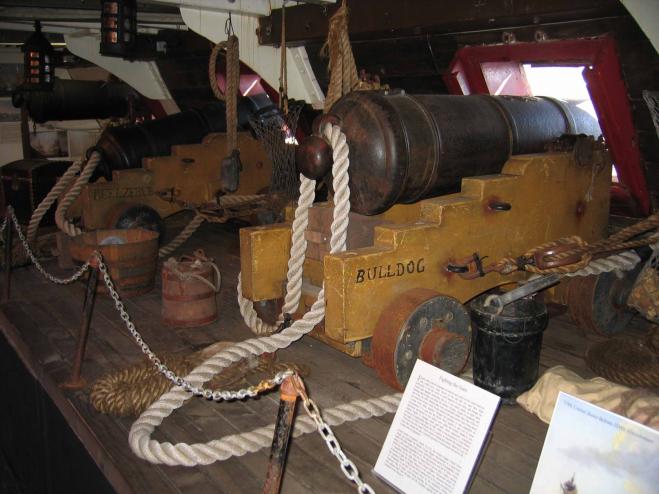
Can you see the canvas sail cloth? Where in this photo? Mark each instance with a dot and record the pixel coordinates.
(640, 405)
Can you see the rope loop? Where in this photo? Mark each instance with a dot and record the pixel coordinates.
(205, 453)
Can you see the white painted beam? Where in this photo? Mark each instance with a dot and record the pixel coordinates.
(143, 76)
(240, 7)
(264, 60)
(646, 14)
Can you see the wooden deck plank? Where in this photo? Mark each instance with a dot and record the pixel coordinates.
(48, 319)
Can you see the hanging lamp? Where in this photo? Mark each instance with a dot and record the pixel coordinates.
(38, 62)
(118, 28)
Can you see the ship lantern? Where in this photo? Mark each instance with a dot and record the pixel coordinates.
(118, 28)
(38, 62)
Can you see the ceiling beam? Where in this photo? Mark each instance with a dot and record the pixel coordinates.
(393, 18)
(83, 5)
(50, 14)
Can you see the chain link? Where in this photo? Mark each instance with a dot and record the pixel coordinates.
(59, 281)
(217, 395)
(348, 467)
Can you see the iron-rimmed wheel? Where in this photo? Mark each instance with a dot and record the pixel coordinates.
(599, 302)
(423, 324)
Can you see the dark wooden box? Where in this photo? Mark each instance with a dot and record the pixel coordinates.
(26, 182)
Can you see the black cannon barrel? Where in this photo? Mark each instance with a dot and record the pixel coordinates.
(124, 147)
(76, 100)
(405, 148)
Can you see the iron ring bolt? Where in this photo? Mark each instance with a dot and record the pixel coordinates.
(288, 320)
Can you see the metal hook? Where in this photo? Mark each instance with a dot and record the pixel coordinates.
(228, 26)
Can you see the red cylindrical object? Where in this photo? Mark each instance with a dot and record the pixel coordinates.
(187, 301)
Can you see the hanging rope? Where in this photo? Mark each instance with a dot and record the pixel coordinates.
(60, 213)
(50, 199)
(233, 80)
(232, 73)
(298, 241)
(342, 67)
(195, 454)
(212, 69)
(283, 69)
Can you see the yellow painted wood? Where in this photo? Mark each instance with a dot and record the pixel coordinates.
(264, 253)
(192, 172)
(129, 187)
(551, 197)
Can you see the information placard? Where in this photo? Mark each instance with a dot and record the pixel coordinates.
(437, 434)
(589, 449)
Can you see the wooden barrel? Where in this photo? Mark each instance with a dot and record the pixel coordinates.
(189, 285)
(131, 256)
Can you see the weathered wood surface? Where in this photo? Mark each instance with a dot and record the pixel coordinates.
(42, 321)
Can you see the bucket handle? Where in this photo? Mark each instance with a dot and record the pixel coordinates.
(192, 276)
(218, 278)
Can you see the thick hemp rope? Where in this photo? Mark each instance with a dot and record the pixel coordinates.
(205, 453)
(230, 97)
(60, 213)
(283, 69)
(624, 239)
(298, 241)
(183, 235)
(199, 218)
(50, 199)
(342, 67)
(72, 230)
(128, 392)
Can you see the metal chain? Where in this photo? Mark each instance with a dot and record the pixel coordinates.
(348, 467)
(59, 281)
(218, 395)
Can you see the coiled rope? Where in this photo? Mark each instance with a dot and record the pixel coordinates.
(128, 392)
(239, 444)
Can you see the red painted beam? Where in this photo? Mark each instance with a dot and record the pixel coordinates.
(603, 77)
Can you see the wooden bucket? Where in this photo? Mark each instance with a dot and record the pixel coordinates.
(131, 256)
(189, 285)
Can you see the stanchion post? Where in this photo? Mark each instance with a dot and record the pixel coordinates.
(9, 227)
(76, 381)
(283, 427)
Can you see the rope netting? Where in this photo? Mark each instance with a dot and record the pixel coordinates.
(276, 132)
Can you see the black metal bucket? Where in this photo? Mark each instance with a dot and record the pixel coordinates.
(507, 346)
